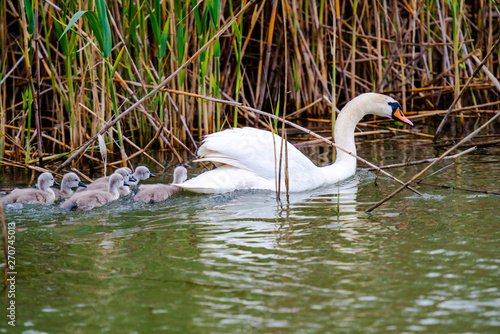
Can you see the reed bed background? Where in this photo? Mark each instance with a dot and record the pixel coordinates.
(158, 67)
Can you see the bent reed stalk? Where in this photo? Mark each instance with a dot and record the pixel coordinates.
(257, 53)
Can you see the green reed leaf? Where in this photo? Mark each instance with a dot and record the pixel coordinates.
(98, 23)
(154, 22)
(102, 14)
(117, 61)
(30, 16)
(164, 39)
(62, 39)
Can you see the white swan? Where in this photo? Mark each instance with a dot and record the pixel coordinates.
(248, 158)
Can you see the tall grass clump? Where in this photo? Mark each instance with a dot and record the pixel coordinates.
(68, 69)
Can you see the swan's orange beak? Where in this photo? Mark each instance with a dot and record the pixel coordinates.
(398, 114)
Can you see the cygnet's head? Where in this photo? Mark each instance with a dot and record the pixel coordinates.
(380, 105)
(142, 173)
(180, 175)
(71, 180)
(126, 173)
(45, 181)
(115, 181)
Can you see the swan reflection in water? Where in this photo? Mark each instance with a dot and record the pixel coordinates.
(240, 222)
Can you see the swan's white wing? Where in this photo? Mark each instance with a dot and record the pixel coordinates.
(253, 150)
(226, 179)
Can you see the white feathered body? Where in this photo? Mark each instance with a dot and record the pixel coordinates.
(249, 158)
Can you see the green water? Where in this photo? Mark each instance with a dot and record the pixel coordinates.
(242, 263)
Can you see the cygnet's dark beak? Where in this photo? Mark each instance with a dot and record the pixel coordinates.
(132, 178)
(397, 113)
(151, 174)
(81, 184)
(126, 184)
(56, 183)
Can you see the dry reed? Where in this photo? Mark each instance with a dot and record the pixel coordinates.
(59, 90)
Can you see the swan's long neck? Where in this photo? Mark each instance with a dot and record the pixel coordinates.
(65, 188)
(113, 188)
(44, 186)
(345, 164)
(344, 133)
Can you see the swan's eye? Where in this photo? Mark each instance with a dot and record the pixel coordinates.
(395, 106)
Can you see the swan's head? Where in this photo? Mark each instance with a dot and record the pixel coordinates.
(142, 173)
(45, 181)
(126, 173)
(115, 181)
(72, 180)
(380, 105)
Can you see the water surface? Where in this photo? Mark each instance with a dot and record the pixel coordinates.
(242, 262)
